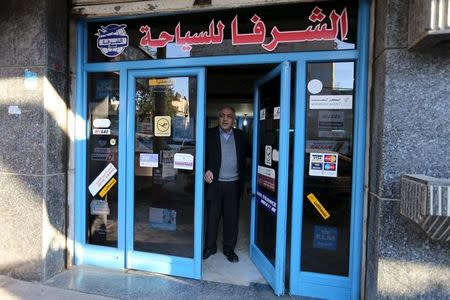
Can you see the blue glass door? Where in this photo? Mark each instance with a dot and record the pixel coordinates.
(270, 174)
(328, 178)
(164, 195)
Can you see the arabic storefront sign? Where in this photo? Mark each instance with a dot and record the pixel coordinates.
(112, 39)
(215, 33)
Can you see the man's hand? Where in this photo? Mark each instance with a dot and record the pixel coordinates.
(209, 177)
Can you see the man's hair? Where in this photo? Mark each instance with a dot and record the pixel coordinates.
(227, 107)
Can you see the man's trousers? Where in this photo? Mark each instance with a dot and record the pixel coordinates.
(222, 200)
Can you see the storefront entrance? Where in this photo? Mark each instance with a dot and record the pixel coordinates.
(140, 164)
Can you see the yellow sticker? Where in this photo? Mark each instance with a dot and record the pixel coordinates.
(322, 211)
(160, 81)
(107, 187)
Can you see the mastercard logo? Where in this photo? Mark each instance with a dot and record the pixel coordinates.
(330, 158)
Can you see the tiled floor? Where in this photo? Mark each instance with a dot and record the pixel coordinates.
(142, 285)
(218, 269)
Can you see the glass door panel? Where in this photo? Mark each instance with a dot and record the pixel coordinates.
(328, 178)
(270, 175)
(102, 154)
(165, 208)
(99, 208)
(322, 201)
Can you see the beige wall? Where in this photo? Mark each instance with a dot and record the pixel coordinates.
(104, 8)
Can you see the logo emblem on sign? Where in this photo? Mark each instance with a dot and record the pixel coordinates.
(112, 39)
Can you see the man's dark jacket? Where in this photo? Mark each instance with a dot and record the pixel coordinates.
(213, 153)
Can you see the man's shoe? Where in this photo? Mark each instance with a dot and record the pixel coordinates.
(208, 252)
(231, 256)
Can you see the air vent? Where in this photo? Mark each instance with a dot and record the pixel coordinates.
(429, 23)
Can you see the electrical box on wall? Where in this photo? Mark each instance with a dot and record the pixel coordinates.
(429, 24)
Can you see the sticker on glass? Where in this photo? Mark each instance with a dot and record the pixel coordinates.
(102, 123)
(315, 86)
(99, 207)
(162, 218)
(184, 161)
(107, 187)
(267, 202)
(102, 179)
(323, 164)
(262, 114)
(275, 155)
(266, 178)
(162, 126)
(325, 237)
(276, 113)
(102, 157)
(268, 155)
(101, 131)
(318, 206)
(148, 160)
(112, 39)
(330, 102)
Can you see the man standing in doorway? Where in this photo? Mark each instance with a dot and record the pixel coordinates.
(225, 166)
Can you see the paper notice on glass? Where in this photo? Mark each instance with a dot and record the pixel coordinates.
(276, 113)
(162, 218)
(148, 160)
(330, 102)
(184, 161)
(323, 164)
(102, 179)
(262, 114)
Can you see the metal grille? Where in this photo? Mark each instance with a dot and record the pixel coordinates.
(426, 201)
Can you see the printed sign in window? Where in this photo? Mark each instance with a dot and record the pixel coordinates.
(330, 102)
(148, 160)
(323, 164)
(162, 126)
(102, 179)
(267, 202)
(325, 237)
(266, 178)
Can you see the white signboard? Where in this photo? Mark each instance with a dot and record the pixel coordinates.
(102, 179)
(330, 102)
(323, 164)
(184, 161)
(148, 160)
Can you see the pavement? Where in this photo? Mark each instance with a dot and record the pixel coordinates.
(86, 282)
(13, 289)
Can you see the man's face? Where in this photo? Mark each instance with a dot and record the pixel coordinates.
(226, 119)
